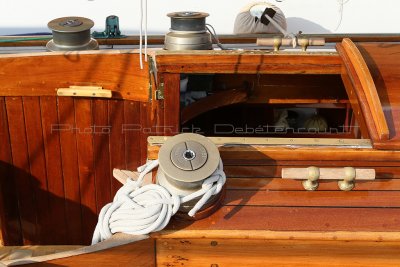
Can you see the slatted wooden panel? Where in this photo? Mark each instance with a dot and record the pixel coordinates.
(56, 165)
(256, 192)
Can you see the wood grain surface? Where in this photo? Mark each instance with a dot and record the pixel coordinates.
(42, 74)
(241, 252)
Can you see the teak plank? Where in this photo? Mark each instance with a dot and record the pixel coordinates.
(38, 169)
(84, 128)
(101, 135)
(21, 170)
(117, 71)
(366, 199)
(231, 252)
(117, 140)
(11, 233)
(146, 130)
(295, 219)
(55, 180)
(275, 169)
(280, 235)
(247, 62)
(141, 253)
(69, 161)
(279, 184)
(171, 103)
(132, 129)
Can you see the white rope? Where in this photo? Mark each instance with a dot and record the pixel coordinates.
(140, 209)
(143, 20)
(145, 30)
(282, 30)
(140, 35)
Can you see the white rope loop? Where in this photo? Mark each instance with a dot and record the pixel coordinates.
(140, 209)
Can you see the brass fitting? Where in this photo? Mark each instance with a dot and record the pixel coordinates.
(311, 184)
(349, 179)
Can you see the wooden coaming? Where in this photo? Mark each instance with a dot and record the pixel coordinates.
(247, 62)
(41, 74)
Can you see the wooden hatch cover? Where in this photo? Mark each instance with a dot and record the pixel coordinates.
(371, 74)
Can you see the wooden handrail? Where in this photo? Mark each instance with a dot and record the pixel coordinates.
(368, 87)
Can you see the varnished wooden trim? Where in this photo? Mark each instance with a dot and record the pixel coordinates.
(40, 74)
(284, 253)
(279, 235)
(368, 87)
(226, 141)
(223, 38)
(260, 154)
(250, 62)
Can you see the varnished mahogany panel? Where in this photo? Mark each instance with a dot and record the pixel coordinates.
(117, 140)
(279, 184)
(24, 182)
(101, 153)
(171, 104)
(69, 161)
(243, 217)
(37, 160)
(9, 212)
(141, 253)
(250, 252)
(41, 74)
(55, 185)
(56, 174)
(84, 123)
(382, 61)
(242, 62)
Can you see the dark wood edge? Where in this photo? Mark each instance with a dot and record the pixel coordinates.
(224, 38)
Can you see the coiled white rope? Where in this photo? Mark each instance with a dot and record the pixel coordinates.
(140, 209)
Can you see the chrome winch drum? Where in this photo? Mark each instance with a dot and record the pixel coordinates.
(71, 34)
(188, 32)
(185, 161)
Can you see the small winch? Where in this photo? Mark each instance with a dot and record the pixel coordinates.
(71, 34)
(190, 183)
(188, 32)
(185, 161)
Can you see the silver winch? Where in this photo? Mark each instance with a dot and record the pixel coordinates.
(188, 32)
(71, 34)
(185, 161)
